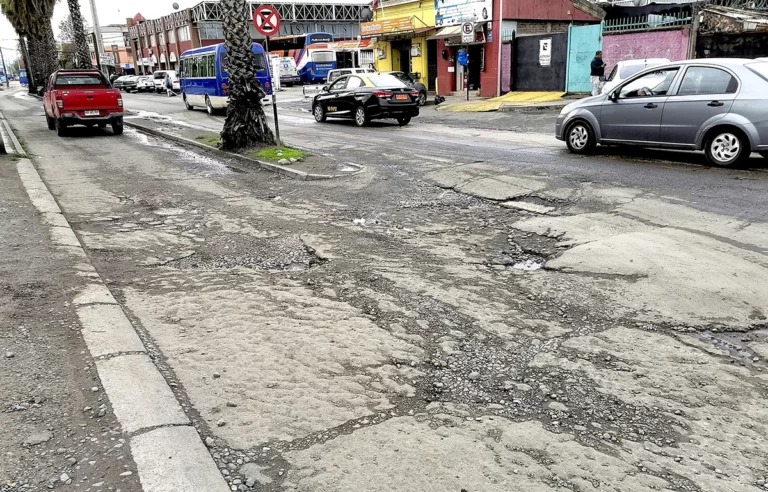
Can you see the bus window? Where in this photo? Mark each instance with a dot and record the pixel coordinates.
(260, 62)
(194, 67)
(211, 59)
(203, 66)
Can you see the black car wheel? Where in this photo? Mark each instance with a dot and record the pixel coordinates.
(51, 122)
(319, 113)
(422, 100)
(404, 120)
(117, 129)
(361, 116)
(726, 148)
(186, 104)
(580, 138)
(61, 127)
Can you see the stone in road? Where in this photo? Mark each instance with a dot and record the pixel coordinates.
(417, 349)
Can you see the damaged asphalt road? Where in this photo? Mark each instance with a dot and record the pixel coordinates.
(488, 314)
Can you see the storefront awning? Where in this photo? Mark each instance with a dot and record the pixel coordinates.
(415, 33)
(447, 32)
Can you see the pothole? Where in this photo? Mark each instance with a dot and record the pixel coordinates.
(278, 254)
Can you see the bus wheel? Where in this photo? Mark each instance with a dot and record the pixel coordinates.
(209, 106)
(188, 106)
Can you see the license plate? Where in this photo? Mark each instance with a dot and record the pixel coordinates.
(401, 97)
(92, 113)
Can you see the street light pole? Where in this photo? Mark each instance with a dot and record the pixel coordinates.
(98, 45)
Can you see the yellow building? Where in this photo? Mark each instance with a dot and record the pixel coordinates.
(400, 32)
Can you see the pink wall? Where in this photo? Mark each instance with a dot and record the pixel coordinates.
(672, 44)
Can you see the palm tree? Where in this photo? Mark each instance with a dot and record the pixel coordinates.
(78, 32)
(246, 123)
(32, 19)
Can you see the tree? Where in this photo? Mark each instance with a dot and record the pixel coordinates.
(246, 123)
(73, 31)
(32, 19)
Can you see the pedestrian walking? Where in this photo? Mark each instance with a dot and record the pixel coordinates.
(169, 86)
(597, 74)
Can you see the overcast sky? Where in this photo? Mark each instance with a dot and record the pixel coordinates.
(110, 12)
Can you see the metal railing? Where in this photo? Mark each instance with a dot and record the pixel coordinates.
(647, 22)
(738, 4)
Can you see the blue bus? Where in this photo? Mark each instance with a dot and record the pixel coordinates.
(204, 78)
(312, 53)
(23, 77)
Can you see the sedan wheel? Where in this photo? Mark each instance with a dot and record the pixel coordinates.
(580, 138)
(725, 149)
(319, 113)
(404, 120)
(764, 155)
(361, 117)
(422, 98)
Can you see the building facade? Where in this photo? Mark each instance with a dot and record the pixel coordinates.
(400, 34)
(114, 39)
(159, 43)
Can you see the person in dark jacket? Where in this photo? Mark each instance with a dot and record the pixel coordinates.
(597, 74)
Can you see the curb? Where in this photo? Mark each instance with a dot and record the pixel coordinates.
(282, 170)
(544, 107)
(166, 448)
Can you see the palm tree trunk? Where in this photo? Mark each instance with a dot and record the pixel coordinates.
(34, 69)
(27, 64)
(246, 123)
(82, 52)
(43, 52)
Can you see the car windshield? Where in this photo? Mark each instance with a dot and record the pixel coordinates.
(760, 68)
(400, 76)
(386, 81)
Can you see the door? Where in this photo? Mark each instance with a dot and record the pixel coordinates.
(431, 64)
(333, 101)
(705, 94)
(635, 115)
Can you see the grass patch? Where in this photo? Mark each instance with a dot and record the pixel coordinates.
(210, 140)
(274, 154)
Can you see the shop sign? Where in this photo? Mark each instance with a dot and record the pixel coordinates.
(415, 51)
(545, 52)
(385, 26)
(456, 12)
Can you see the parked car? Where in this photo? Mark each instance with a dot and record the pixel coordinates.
(130, 83)
(145, 83)
(404, 77)
(159, 78)
(627, 68)
(365, 97)
(715, 105)
(118, 82)
(82, 97)
(340, 72)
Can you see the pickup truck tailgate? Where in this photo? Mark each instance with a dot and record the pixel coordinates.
(81, 100)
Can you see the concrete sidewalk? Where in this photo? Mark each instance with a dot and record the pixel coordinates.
(510, 101)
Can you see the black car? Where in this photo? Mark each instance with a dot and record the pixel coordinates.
(406, 79)
(366, 97)
(130, 84)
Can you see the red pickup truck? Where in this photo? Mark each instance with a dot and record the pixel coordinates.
(82, 97)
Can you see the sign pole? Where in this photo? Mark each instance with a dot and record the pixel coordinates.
(466, 69)
(266, 20)
(274, 104)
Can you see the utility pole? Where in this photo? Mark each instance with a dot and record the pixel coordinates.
(98, 45)
(5, 68)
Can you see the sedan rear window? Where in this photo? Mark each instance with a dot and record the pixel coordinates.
(630, 70)
(79, 80)
(385, 81)
(760, 69)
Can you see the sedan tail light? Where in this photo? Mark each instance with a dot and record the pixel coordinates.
(415, 93)
(382, 94)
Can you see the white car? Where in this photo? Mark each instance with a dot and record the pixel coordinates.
(338, 72)
(145, 84)
(159, 78)
(627, 68)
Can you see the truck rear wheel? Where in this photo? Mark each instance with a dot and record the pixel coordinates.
(117, 129)
(51, 123)
(61, 127)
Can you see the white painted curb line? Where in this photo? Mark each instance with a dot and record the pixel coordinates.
(168, 451)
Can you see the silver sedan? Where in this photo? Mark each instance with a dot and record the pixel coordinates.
(716, 105)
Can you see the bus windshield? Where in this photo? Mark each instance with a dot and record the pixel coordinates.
(323, 56)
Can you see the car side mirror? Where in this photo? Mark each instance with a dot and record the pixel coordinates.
(325, 88)
(614, 95)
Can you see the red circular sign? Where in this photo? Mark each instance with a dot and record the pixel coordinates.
(266, 20)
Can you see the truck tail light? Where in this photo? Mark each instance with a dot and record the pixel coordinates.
(119, 102)
(382, 94)
(60, 103)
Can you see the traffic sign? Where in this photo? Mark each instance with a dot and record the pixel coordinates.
(266, 20)
(467, 33)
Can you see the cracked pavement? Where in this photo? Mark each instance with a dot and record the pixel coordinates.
(478, 310)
